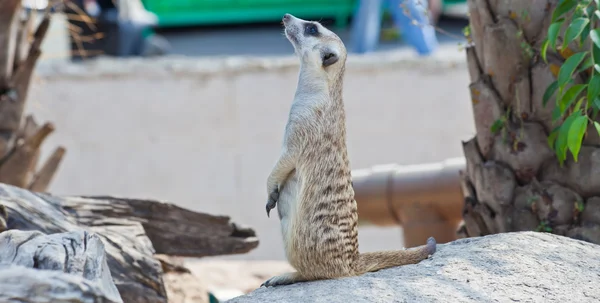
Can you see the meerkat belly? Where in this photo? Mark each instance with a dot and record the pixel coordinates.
(286, 207)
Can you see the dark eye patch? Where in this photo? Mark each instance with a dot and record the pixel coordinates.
(311, 29)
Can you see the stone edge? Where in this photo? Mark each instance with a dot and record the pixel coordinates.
(447, 58)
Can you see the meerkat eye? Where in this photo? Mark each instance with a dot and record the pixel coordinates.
(311, 29)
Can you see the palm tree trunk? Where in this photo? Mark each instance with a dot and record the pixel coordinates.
(513, 180)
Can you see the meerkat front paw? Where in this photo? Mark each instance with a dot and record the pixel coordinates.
(272, 201)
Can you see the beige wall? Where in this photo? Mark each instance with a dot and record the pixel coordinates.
(205, 134)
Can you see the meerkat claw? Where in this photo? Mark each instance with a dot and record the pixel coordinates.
(269, 207)
(284, 279)
(272, 202)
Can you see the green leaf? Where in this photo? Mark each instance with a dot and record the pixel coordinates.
(545, 49)
(574, 30)
(597, 126)
(596, 54)
(580, 206)
(562, 8)
(587, 63)
(497, 126)
(570, 95)
(596, 102)
(550, 90)
(597, 67)
(595, 36)
(585, 34)
(588, 7)
(553, 33)
(575, 137)
(556, 114)
(595, 107)
(566, 70)
(552, 137)
(560, 145)
(593, 88)
(578, 104)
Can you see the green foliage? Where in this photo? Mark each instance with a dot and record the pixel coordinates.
(565, 74)
(576, 104)
(544, 227)
(575, 30)
(579, 206)
(497, 126)
(467, 31)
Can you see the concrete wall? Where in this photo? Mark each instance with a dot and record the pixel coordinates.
(205, 134)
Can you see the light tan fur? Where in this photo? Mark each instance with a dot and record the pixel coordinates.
(311, 183)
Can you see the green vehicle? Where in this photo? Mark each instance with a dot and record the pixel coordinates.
(455, 8)
(212, 12)
(173, 13)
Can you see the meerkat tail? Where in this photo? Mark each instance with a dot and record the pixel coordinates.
(374, 261)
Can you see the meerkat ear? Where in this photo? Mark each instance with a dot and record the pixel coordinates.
(328, 57)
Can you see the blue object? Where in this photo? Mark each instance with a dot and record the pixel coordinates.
(367, 25)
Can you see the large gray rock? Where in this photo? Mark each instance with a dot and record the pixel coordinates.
(61, 267)
(510, 267)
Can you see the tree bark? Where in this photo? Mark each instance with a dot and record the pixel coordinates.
(132, 232)
(513, 180)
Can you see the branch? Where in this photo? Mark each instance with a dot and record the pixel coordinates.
(43, 177)
(17, 166)
(9, 19)
(11, 110)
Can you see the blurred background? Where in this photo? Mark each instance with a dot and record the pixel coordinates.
(186, 100)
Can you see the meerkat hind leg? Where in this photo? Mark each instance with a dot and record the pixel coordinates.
(284, 279)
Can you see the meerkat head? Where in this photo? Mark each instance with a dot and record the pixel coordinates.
(316, 45)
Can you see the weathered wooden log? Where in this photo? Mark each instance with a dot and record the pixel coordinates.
(132, 232)
(173, 230)
(68, 267)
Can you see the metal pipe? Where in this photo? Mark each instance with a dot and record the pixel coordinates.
(425, 199)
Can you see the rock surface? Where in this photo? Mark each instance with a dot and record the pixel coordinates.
(61, 267)
(508, 267)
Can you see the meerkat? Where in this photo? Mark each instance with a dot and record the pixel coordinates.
(311, 183)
